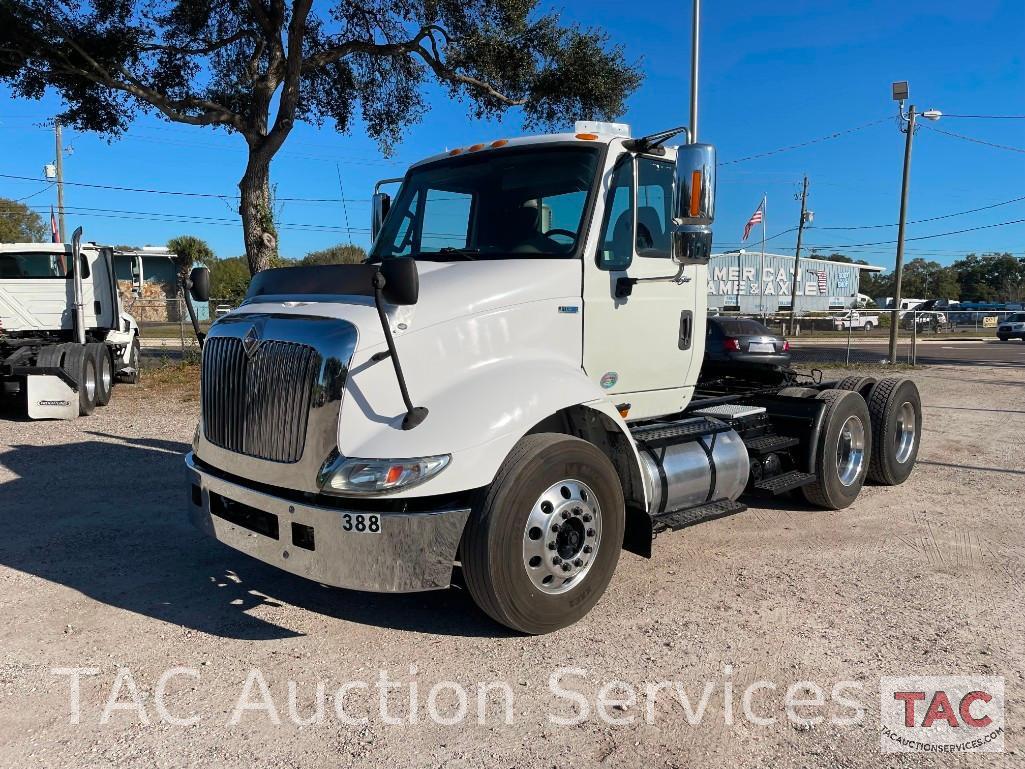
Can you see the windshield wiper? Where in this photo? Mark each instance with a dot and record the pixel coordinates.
(467, 253)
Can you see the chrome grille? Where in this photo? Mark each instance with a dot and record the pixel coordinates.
(258, 405)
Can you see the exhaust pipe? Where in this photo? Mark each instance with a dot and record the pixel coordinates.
(76, 272)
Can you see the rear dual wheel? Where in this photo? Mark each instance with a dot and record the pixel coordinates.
(842, 450)
(895, 407)
(541, 545)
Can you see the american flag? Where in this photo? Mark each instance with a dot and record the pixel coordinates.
(54, 237)
(821, 277)
(756, 218)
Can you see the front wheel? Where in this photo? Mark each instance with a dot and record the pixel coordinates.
(540, 547)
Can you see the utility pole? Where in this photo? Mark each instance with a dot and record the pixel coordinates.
(60, 177)
(898, 271)
(797, 254)
(695, 34)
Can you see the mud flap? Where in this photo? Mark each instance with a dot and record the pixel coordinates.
(49, 397)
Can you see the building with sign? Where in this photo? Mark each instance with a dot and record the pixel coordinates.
(749, 282)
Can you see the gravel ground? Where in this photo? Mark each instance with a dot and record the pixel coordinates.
(99, 569)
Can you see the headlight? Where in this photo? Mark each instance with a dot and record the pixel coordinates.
(378, 476)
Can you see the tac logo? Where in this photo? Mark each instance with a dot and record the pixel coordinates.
(941, 714)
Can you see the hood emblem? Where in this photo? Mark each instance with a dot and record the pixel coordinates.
(251, 341)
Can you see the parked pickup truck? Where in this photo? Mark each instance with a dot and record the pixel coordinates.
(856, 319)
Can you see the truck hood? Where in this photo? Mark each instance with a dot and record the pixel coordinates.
(448, 290)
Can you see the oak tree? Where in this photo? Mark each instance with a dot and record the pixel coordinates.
(256, 67)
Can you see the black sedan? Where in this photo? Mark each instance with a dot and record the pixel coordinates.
(742, 347)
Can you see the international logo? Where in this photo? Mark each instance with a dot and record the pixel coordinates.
(608, 380)
(251, 341)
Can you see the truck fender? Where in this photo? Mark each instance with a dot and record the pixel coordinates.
(477, 419)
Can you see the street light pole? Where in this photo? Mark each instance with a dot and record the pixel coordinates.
(909, 129)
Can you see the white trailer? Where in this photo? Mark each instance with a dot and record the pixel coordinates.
(64, 337)
(510, 385)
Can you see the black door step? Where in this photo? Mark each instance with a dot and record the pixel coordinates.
(779, 484)
(765, 444)
(679, 519)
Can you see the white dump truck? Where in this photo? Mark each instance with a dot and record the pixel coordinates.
(508, 387)
(64, 337)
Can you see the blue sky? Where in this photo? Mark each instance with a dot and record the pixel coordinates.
(772, 75)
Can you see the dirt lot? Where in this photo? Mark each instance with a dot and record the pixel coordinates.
(99, 569)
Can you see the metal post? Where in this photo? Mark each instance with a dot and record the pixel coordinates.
(797, 254)
(60, 178)
(695, 34)
(761, 266)
(899, 266)
(850, 331)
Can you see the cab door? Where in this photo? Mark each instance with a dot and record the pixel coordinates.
(640, 344)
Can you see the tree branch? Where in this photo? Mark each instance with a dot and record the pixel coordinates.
(210, 47)
(432, 58)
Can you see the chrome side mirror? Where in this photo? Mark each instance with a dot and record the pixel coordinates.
(694, 204)
(379, 205)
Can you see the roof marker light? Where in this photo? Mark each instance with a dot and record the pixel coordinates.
(499, 143)
(456, 151)
(587, 137)
(475, 147)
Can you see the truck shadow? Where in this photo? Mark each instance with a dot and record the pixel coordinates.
(108, 519)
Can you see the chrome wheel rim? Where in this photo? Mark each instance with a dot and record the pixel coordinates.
(107, 375)
(850, 450)
(905, 433)
(90, 383)
(562, 536)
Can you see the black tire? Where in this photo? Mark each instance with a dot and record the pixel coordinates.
(1003, 338)
(868, 326)
(104, 371)
(80, 365)
(830, 490)
(799, 392)
(493, 544)
(50, 356)
(134, 359)
(894, 450)
(856, 384)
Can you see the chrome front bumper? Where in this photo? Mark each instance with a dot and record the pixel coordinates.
(412, 551)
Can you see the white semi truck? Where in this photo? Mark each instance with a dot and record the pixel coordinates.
(509, 386)
(64, 337)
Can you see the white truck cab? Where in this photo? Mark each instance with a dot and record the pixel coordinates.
(64, 336)
(512, 383)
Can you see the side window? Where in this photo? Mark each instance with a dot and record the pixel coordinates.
(615, 251)
(654, 202)
(446, 220)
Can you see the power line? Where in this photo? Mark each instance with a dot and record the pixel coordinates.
(929, 219)
(988, 117)
(834, 135)
(924, 237)
(976, 141)
(177, 192)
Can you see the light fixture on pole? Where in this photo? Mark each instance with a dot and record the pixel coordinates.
(901, 93)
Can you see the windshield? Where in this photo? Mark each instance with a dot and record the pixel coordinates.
(1018, 317)
(496, 205)
(33, 265)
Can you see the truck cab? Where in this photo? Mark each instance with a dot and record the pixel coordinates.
(64, 336)
(509, 383)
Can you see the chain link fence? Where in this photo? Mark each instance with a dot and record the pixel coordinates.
(851, 328)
